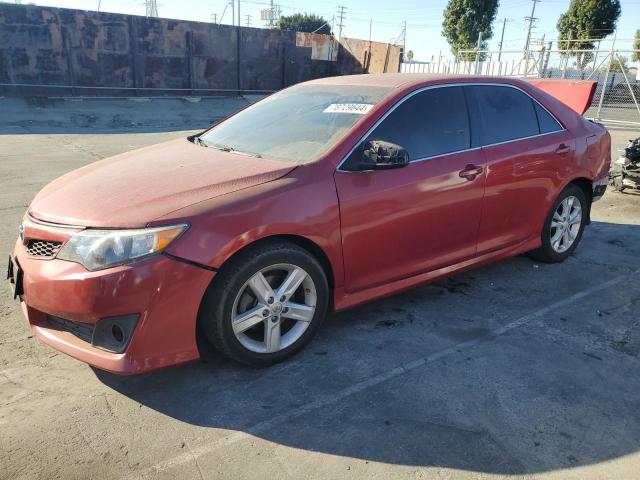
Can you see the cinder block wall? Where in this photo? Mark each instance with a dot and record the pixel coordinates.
(57, 46)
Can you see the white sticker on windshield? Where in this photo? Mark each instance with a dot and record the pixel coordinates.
(358, 108)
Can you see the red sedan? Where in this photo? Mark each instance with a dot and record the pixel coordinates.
(322, 196)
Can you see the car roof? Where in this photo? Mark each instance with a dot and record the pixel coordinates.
(408, 80)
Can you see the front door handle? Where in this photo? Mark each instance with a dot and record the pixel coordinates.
(562, 149)
(470, 171)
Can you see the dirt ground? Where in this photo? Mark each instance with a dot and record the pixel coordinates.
(518, 369)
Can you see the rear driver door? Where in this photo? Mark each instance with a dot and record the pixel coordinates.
(527, 151)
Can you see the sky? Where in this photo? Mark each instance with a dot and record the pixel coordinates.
(423, 17)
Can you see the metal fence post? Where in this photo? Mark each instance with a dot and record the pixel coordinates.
(606, 76)
(478, 47)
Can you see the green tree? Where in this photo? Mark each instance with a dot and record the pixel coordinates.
(615, 65)
(636, 47)
(304, 22)
(585, 22)
(463, 22)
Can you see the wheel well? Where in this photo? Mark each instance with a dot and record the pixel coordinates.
(587, 187)
(204, 348)
(302, 242)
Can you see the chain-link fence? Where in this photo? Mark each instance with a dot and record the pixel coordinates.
(617, 97)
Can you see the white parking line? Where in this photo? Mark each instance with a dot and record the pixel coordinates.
(333, 398)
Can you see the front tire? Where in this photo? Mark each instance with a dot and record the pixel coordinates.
(265, 304)
(564, 226)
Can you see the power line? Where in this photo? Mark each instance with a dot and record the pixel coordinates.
(224, 11)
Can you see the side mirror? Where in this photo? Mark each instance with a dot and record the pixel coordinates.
(381, 155)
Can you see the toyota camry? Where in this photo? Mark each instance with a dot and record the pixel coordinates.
(320, 197)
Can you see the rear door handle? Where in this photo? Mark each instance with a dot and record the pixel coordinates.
(470, 171)
(562, 149)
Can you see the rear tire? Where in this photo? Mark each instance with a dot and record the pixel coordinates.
(564, 226)
(266, 304)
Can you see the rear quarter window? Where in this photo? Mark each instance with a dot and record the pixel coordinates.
(505, 113)
(546, 122)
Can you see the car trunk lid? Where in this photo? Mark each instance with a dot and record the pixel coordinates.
(577, 95)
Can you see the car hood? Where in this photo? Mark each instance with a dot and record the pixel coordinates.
(134, 188)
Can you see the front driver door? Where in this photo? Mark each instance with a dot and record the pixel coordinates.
(401, 222)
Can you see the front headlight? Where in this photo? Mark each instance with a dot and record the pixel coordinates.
(98, 249)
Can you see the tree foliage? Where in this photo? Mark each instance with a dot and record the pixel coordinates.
(584, 21)
(304, 22)
(636, 47)
(615, 65)
(463, 22)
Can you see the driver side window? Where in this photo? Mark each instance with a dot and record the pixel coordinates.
(430, 123)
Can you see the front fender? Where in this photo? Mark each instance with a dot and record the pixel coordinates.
(302, 204)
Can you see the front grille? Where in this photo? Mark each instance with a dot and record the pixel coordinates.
(43, 248)
(84, 331)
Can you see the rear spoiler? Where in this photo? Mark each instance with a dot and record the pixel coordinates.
(575, 94)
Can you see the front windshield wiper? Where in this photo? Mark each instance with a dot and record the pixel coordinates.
(224, 148)
(227, 148)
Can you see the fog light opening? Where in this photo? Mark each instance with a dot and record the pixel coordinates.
(114, 333)
(117, 333)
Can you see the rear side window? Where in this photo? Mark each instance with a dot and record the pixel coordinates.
(505, 113)
(547, 123)
(429, 123)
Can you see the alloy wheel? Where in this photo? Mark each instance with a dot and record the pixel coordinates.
(565, 224)
(274, 308)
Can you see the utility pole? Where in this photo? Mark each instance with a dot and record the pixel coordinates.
(214, 17)
(478, 47)
(341, 11)
(233, 12)
(504, 24)
(271, 13)
(151, 8)
(239, 17)
(368, 57)
(532, 19)
(402, 38)
(248, 19)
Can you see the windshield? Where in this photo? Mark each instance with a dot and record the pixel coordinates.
(298, 124)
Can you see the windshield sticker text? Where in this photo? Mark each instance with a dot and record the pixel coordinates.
(358, 108)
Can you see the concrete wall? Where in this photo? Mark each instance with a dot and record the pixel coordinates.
(56, 46)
